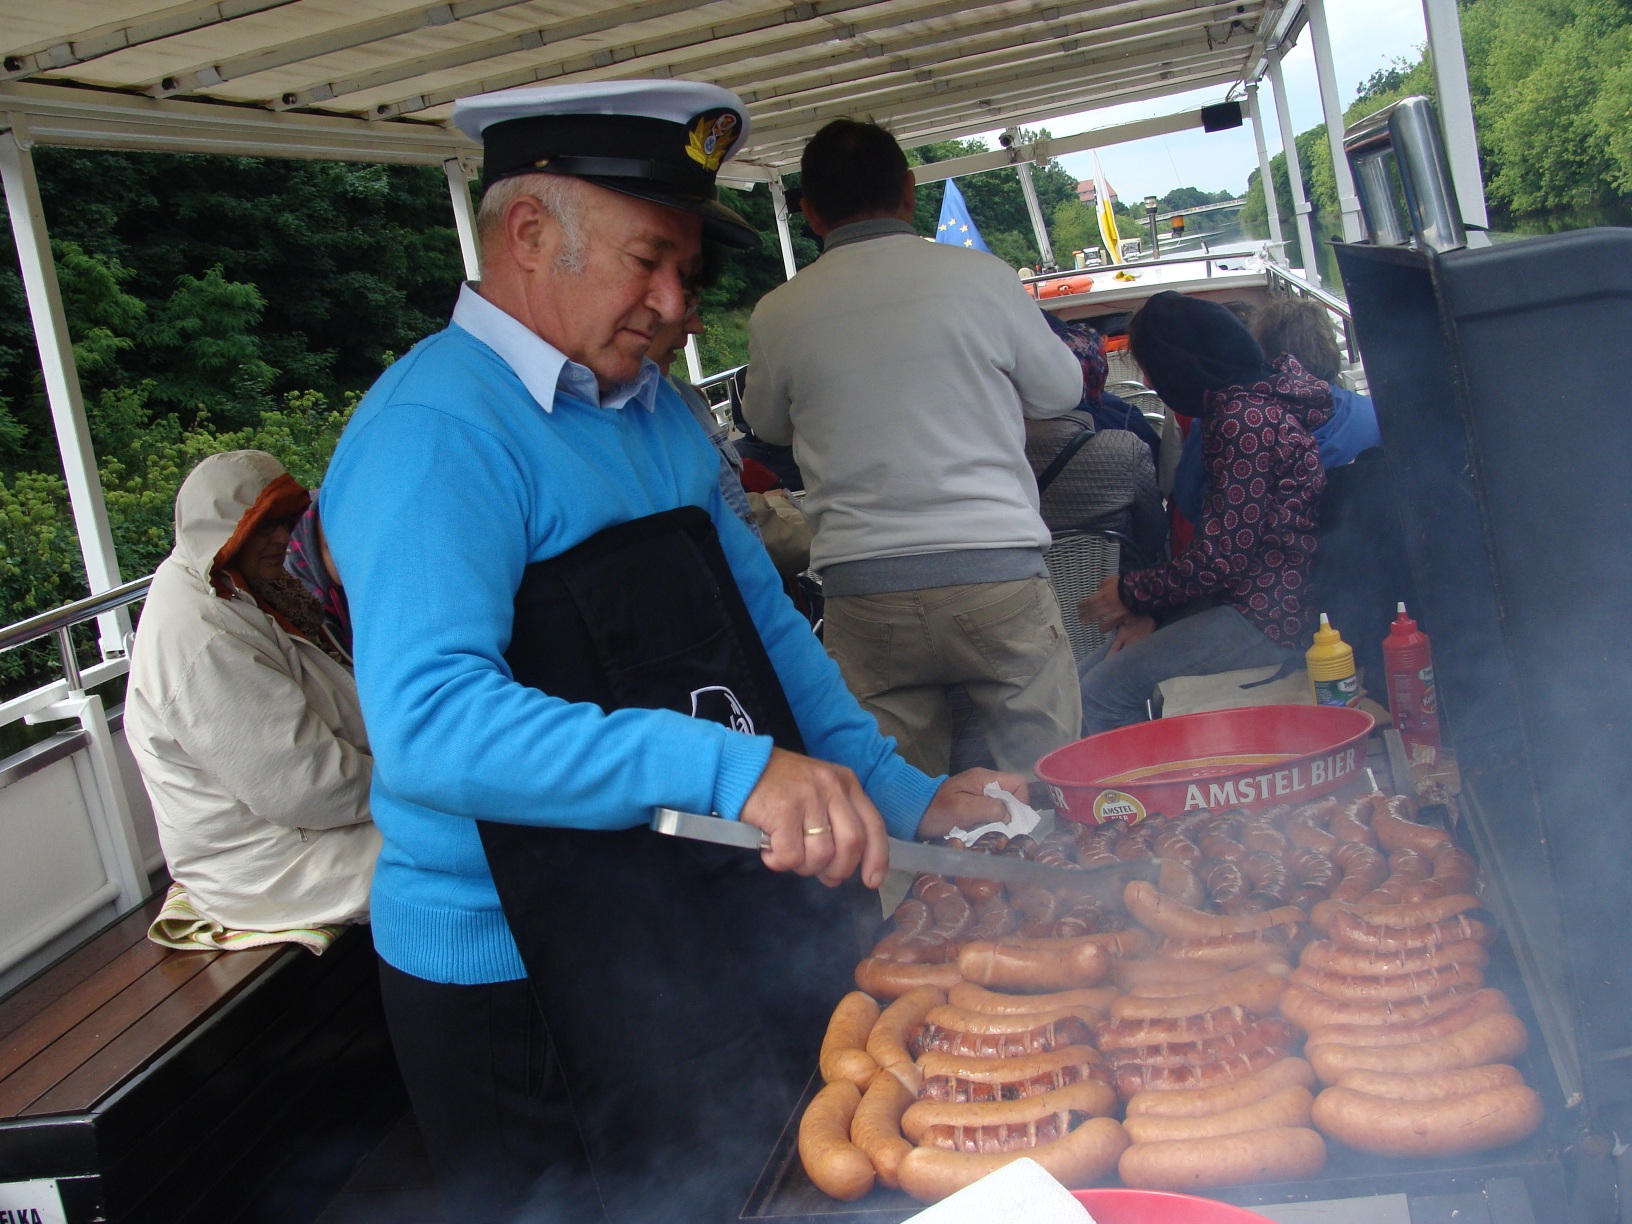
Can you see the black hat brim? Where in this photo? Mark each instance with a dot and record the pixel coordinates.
(720, 224)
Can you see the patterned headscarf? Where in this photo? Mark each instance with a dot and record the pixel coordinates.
(1089, 347)
(305, 562)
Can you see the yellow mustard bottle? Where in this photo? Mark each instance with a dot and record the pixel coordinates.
(1331, 667)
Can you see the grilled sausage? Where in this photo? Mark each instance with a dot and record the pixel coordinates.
(887, 1042)
(876, 1126)
(1166, 916)
(1034, 965)
(1287, 1107)
(843, 1055)
(1309, 1009)
(837, 1167)
(1363, 988)
(1091, 1097)
(1479, 1004)
(995, 1003)
(1323, 954)
(1130, 1080)
(887, 980)
(1490, 1039)
(1479, 1122)
(1397, 829)
(1128, 1034)
(1209, 981)
(1272, 1032)
(1234, 951)
(1283, 1154)
(1081, 1157)
(1220, 1098)
(1259, 994)
(951, 1030)
(1355, 932)
(1432, 1086)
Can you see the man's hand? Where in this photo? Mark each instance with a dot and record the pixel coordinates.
(1134, 629)
(962, 804)
(819, 820)
(1104, 607)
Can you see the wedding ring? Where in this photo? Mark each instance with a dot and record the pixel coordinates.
(817, 831)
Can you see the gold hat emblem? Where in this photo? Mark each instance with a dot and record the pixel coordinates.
(710, 138)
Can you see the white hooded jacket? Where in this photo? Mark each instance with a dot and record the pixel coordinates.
(250, 741)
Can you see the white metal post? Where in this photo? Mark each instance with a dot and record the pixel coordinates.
(1265, 176)
(1456, 113)
(694, 361)
(1294, 173)
(61, 377)
(779, 204)
(1348, 203)
(1045, 248)
(464, 216)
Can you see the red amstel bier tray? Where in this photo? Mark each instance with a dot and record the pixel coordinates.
(1256, 757)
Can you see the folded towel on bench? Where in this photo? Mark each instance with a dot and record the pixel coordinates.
(180, 925)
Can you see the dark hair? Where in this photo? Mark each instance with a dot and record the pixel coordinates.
(851, 169)
(1302, 328)
(1189, 346)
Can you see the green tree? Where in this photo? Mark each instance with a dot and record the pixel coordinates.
(207, 354)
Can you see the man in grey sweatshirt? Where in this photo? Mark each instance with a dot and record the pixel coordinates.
(902, 372)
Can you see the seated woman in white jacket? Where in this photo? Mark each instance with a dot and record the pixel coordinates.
(243, 718)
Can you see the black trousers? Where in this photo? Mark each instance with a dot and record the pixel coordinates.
(488, 1094)
(684, 990)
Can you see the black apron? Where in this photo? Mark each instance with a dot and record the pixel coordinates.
(684, 986)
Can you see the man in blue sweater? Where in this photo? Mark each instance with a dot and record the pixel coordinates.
(559, 627)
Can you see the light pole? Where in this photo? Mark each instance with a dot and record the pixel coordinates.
(1151, 205)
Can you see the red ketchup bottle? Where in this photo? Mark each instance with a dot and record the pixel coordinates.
(1408, 666)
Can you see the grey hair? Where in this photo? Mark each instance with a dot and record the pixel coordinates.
(560, 196)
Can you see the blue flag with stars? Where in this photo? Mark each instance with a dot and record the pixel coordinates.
(957, 227)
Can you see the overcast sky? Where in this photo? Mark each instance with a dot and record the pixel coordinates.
(1366, 35)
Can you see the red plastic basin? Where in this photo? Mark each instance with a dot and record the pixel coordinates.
(1255, 757)
(1115, 1206)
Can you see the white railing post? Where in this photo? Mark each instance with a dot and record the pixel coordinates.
(694, 361)
(1272, 204)
(1456, 113)
(784, 236)
(103, 784)
(1028, 189)
(1348, 203)
(1294, 172)
(464, 216)
(61, 377)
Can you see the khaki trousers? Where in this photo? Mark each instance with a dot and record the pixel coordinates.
(1003, 642)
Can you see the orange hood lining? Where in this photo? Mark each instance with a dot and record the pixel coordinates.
(284, 498)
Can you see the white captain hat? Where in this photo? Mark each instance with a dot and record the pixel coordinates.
(662, 141)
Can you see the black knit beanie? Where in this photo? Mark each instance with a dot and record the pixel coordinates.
(1189, 346)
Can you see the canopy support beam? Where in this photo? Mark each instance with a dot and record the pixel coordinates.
(784, 236)
(1045, 248)
(1294, 173)
(1456, 114)
(1265, 174)
(464, 216)
(61, 375)
(1348, 203)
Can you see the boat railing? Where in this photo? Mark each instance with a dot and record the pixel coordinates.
(91, 854)
(1282, 281)
(1209, 258)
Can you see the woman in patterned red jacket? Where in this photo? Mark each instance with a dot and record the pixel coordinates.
(1234, 597)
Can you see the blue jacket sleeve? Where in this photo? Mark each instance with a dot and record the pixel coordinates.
(429, 520)
(835, 728)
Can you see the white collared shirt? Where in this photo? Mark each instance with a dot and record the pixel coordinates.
(543, 369)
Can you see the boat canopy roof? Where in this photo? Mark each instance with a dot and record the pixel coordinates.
(374, 80)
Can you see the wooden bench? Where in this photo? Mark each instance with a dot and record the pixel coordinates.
(182, 1087)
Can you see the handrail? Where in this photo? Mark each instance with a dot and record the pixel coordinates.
(714, 380)
(1334, 304)
(1166, 261)
(45, 624)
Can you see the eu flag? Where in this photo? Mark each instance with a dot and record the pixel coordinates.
(957, 227)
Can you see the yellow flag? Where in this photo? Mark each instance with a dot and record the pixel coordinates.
(1107, 214)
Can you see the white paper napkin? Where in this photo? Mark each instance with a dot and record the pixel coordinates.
(1018, 1191)
(1022, 819)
